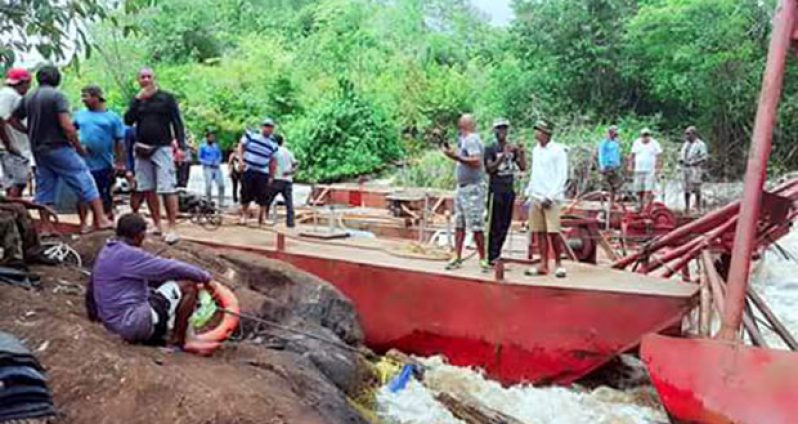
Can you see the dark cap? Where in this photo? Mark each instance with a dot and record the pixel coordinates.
(94, 91)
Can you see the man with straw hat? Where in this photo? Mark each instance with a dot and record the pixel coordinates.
(546, 192)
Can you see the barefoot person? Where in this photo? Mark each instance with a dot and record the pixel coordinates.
(469, 201)
(56, 149)
(156, 116)
(102, 135)
(138, 295)
(546, 191)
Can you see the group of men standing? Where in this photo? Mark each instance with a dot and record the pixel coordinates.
(89, 150)
(645, 164)
(502, 161)
(545, 192)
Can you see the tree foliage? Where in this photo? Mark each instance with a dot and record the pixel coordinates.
(53, 29)
(358, 84)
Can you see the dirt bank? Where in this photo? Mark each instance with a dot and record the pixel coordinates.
(267, 377)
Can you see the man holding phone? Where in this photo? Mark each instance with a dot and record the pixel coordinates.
(502, 161)
(469, 202)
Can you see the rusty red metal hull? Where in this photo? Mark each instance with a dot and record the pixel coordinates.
(515, 333)
(714, 382)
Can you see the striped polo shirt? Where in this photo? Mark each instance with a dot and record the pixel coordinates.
(258, 151)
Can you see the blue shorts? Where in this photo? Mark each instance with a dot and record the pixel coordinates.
(66, 164)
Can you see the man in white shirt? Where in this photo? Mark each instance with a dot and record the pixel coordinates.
(15, 152)
(692, 158)
(546, 192)
(646, 163)
(283, 180)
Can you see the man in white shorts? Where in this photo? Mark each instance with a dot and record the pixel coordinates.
(646, 166)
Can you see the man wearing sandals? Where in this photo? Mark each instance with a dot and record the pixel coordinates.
(546, 191)
(469, 202)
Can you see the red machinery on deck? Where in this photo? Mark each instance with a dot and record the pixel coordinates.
(724, 381)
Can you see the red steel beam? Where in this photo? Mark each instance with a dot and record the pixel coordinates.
(756, 170)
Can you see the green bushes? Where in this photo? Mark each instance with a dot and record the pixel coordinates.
(343, 137)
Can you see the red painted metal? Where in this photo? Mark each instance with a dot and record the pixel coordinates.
(516, 333)
(722, 382)
(725, 381)
(756, 170)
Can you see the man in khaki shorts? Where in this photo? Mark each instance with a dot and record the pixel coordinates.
(546, 192)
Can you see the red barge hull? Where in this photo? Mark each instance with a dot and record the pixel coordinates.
(518, 330)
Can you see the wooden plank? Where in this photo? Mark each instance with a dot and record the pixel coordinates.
(605, 245)
(472, 411)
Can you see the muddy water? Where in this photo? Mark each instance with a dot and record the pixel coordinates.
(776, 278)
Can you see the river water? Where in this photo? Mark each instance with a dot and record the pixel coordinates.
(775, 278)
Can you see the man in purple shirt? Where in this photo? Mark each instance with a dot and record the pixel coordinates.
(134, 293)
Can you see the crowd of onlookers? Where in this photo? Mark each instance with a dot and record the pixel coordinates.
(87, 151)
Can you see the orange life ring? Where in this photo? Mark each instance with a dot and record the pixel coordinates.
(207, 342)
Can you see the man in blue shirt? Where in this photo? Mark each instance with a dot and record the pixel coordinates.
(210, 157)
(257, 151)
(102, 135)
(609, 162)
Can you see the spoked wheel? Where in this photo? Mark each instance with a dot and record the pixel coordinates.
(61, 252)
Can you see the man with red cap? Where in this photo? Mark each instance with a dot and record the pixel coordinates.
(15, 152)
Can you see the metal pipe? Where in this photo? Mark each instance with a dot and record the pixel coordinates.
(709, 221)
(703, 243)
(756, 170)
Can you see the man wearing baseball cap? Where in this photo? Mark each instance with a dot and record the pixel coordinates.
(646, 167)
(15, 152)
(102, 134)
(55, 144)
(260, 165)
(502, 162)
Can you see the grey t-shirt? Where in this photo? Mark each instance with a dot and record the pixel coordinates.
(470, 145)
(42, 108)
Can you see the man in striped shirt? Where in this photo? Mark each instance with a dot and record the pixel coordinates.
(257, 151)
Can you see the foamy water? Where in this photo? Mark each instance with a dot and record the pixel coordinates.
(776, 279)
(416, 404)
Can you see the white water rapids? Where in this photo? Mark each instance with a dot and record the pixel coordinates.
(776, 279)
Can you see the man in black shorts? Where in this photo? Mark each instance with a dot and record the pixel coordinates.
(138, 295)
(257, 151)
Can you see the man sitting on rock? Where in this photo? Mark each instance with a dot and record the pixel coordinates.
(134, 293)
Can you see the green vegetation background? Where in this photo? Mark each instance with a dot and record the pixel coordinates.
(359, 85)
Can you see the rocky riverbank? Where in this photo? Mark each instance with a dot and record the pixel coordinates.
(267, 376)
